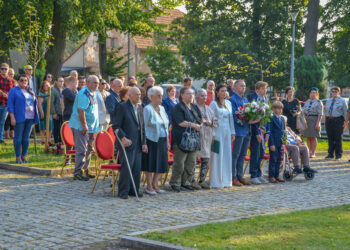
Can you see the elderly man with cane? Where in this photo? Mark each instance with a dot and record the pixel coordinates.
(130, 129)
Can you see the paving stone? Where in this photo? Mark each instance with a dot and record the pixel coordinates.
(44, 212)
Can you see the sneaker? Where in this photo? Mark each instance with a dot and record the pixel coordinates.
(308, 169)
(196, 186)
(204, 185)
(255, 181)
(328, 158)
(188, 187)
(80, 177)
(175, 188)
(312, 156)
(263, 180)
(297, 170)
(338, 158)
(150, 192)
(160, 191)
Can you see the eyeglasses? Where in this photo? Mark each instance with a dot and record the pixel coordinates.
(4, 68)
(335, 91)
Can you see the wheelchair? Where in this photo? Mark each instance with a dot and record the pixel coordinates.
(288, 170)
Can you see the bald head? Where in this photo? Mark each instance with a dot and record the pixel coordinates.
(116, 85)
(149, 81)
(134, 95)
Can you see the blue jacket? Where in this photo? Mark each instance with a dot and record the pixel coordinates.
(255, 127)
(236, 102)
(154, 122)
(112, 101)
(275, 130)
(16, 104)
(168, 105)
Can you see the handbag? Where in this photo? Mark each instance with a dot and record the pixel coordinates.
(190, 140)
(215, 147)
(301, 122)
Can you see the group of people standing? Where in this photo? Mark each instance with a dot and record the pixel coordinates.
(198, 127)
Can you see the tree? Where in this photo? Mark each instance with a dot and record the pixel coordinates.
(163, 63)
(115, 64)
(335, 41)
(311, 27)
(259, 28)
(308, 74)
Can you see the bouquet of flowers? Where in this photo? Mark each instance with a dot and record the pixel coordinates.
(254, 110)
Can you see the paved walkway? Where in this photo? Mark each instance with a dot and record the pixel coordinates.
(41, 212)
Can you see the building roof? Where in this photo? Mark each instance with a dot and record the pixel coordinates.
(144, 42)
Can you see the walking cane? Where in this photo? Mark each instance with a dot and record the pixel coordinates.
(127, 163)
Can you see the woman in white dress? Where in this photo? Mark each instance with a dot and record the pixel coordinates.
(223, 136)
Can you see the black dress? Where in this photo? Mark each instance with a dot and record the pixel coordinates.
(289, 108)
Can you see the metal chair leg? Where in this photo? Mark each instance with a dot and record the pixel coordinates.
(96, 179)
(113, 184)
(245, 167)
(64, 164)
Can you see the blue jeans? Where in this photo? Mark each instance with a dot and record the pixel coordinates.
(22, 133)
(239, 151)
(256, 156)
(3, 116)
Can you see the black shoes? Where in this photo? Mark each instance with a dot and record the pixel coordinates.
(80, 177)
(308, 169)
(175, 188)
(338, 158)
(297, 170)
(86, 173)
(123, 197)
(140, 195)
(328, 158)
(188, 187)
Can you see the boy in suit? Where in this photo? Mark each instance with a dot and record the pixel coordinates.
(256, 142)
(275, 134)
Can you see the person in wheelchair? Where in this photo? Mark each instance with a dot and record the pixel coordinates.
(297, 149)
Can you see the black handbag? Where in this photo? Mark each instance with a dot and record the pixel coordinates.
(190, 140)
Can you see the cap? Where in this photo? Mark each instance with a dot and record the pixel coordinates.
(28, 67)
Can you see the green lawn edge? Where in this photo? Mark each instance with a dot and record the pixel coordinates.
(324, 228)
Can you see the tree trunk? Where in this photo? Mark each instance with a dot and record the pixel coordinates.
(257, 32)
(102, 54)
(55, 55)
(311, 27)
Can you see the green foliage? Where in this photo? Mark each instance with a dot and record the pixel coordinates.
(325, 228)
(165, 66)
(308, 74)
(335, 41)
(261, 29)
(115, 64)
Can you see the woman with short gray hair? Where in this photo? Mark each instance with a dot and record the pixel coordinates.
(206, 134)
(156, 122)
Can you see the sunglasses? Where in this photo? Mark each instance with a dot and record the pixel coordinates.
(4, 68)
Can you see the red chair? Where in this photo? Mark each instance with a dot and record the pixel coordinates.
(68, 141)
(111, 133)
(104, 148)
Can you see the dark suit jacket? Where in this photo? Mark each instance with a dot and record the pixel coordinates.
(128, 125)
(254, 127)
(275, 130)
(168, 105)
(112, 101)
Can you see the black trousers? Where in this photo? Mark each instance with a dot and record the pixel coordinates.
(124, 183)
(334, 129)
(57, 129)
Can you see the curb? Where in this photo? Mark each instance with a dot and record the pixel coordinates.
(36, 171)
(141, 243)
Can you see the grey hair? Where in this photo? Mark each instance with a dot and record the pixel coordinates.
(92, 76)
(229, 80)
(210, 82)
(200, 91)
(152, 91)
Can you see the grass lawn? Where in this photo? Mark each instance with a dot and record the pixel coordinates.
(42, 160)
(309, 229)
